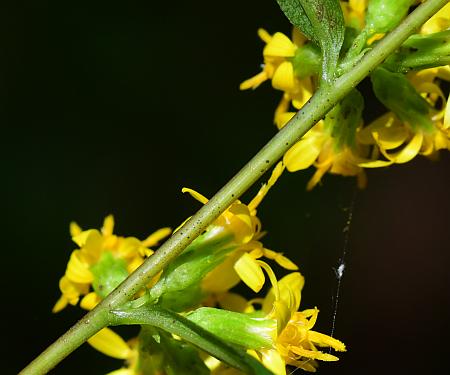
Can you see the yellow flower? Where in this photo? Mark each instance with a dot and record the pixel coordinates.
(93, 245)
(241, 223)
(399, 142)
(296, 343)
(317, 148)
(278, 67)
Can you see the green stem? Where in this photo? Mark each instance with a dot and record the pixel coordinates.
(317, 107)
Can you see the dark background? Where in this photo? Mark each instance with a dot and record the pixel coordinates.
(112, 107)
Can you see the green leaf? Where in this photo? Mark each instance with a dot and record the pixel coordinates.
(321, 21)
(190, 332)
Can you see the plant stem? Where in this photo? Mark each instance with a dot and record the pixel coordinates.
(316, 108)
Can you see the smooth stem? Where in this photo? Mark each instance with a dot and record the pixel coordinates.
(316, 108)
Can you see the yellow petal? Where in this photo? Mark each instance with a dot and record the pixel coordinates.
(110, 343)
(290, 287)
(280, 259)
(326, 341)
(375, 164)
(75, 229)
(313, 354)
(255, 81)
(283, 78)
(223, 277)
(157, 236)
(78, 270)
(408, 152)
(303, 154)
(279, 46)
(60, 304)
(122, 371)
(273, 361)
(283, 118)
(232, 302)
(358, 6)
(108, 225)
(195, 195)
(250, 272)
(91, 239)
(90, 300)
(439, 22)
(276, 173)
(264, 35)
(317, 176)
(443, 72)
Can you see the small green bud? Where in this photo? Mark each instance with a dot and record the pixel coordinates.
(241, 329)
(383, 15)
(179, 287)
(108, 273)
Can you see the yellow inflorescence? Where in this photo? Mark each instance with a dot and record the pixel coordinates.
(383, 142)
(77, 280)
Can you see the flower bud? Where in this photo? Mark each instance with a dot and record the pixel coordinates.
(251, 332)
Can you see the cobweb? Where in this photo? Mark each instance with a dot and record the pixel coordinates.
(340, 269)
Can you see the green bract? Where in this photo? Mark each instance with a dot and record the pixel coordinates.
(343, 120)
(307, 60)
(399, 95)
(237, 328)
(179, 287)
(323, 23)
(383, 15)
(108, 273)
(420, 52)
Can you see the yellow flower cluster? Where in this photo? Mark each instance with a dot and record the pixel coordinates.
(242, 264)
(238, 228)
(295, 343)
(93, 244)
(385, 141)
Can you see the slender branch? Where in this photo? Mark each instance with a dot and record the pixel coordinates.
(316, 108)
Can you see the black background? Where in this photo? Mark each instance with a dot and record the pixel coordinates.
(112, 107)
